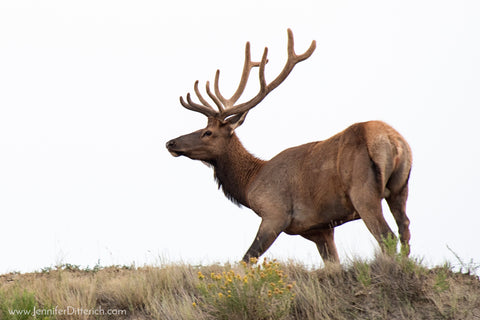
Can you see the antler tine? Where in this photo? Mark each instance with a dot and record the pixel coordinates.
(200, 97)
(217, 90)
(265, 89)
(206, 110)
(292, 60)
(214, 98)
(247, 66)
(245, 107)
(261, 71)
(291, 49)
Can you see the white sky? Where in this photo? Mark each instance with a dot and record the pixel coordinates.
(89, 96)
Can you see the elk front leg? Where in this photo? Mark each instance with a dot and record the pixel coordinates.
(325, 244)
(267, 233)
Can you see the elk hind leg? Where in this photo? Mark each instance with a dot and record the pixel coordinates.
(366, 197)
(397, 203)
(370, 211)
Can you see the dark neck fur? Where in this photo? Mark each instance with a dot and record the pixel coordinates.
(235, 170)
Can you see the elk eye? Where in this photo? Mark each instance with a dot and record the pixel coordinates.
(207, 133)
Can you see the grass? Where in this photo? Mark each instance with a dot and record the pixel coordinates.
(387, 287)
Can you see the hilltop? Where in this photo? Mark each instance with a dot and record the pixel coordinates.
(387, 287)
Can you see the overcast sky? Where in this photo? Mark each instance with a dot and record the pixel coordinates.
(89, 96)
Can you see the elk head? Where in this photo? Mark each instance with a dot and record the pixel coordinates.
(209, 143)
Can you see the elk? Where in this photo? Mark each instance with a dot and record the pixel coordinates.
(305, 190)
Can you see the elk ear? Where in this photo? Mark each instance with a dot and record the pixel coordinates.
(236, 120)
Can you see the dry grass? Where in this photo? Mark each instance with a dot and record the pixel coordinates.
(389, 287)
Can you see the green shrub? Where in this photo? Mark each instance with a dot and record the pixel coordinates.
(363, 273)
(261, 291)
(21, 305)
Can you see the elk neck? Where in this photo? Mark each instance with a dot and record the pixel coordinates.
(235, 170)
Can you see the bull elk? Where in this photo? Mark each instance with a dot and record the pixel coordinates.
(306, 190)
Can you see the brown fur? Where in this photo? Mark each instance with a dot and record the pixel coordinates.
(312, 188)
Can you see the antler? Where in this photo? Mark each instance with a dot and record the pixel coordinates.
(227, 107)
(221, 102)
(247, 66)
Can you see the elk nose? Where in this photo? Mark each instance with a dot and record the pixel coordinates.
(170, 144)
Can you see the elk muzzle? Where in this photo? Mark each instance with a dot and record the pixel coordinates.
(170, 145)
